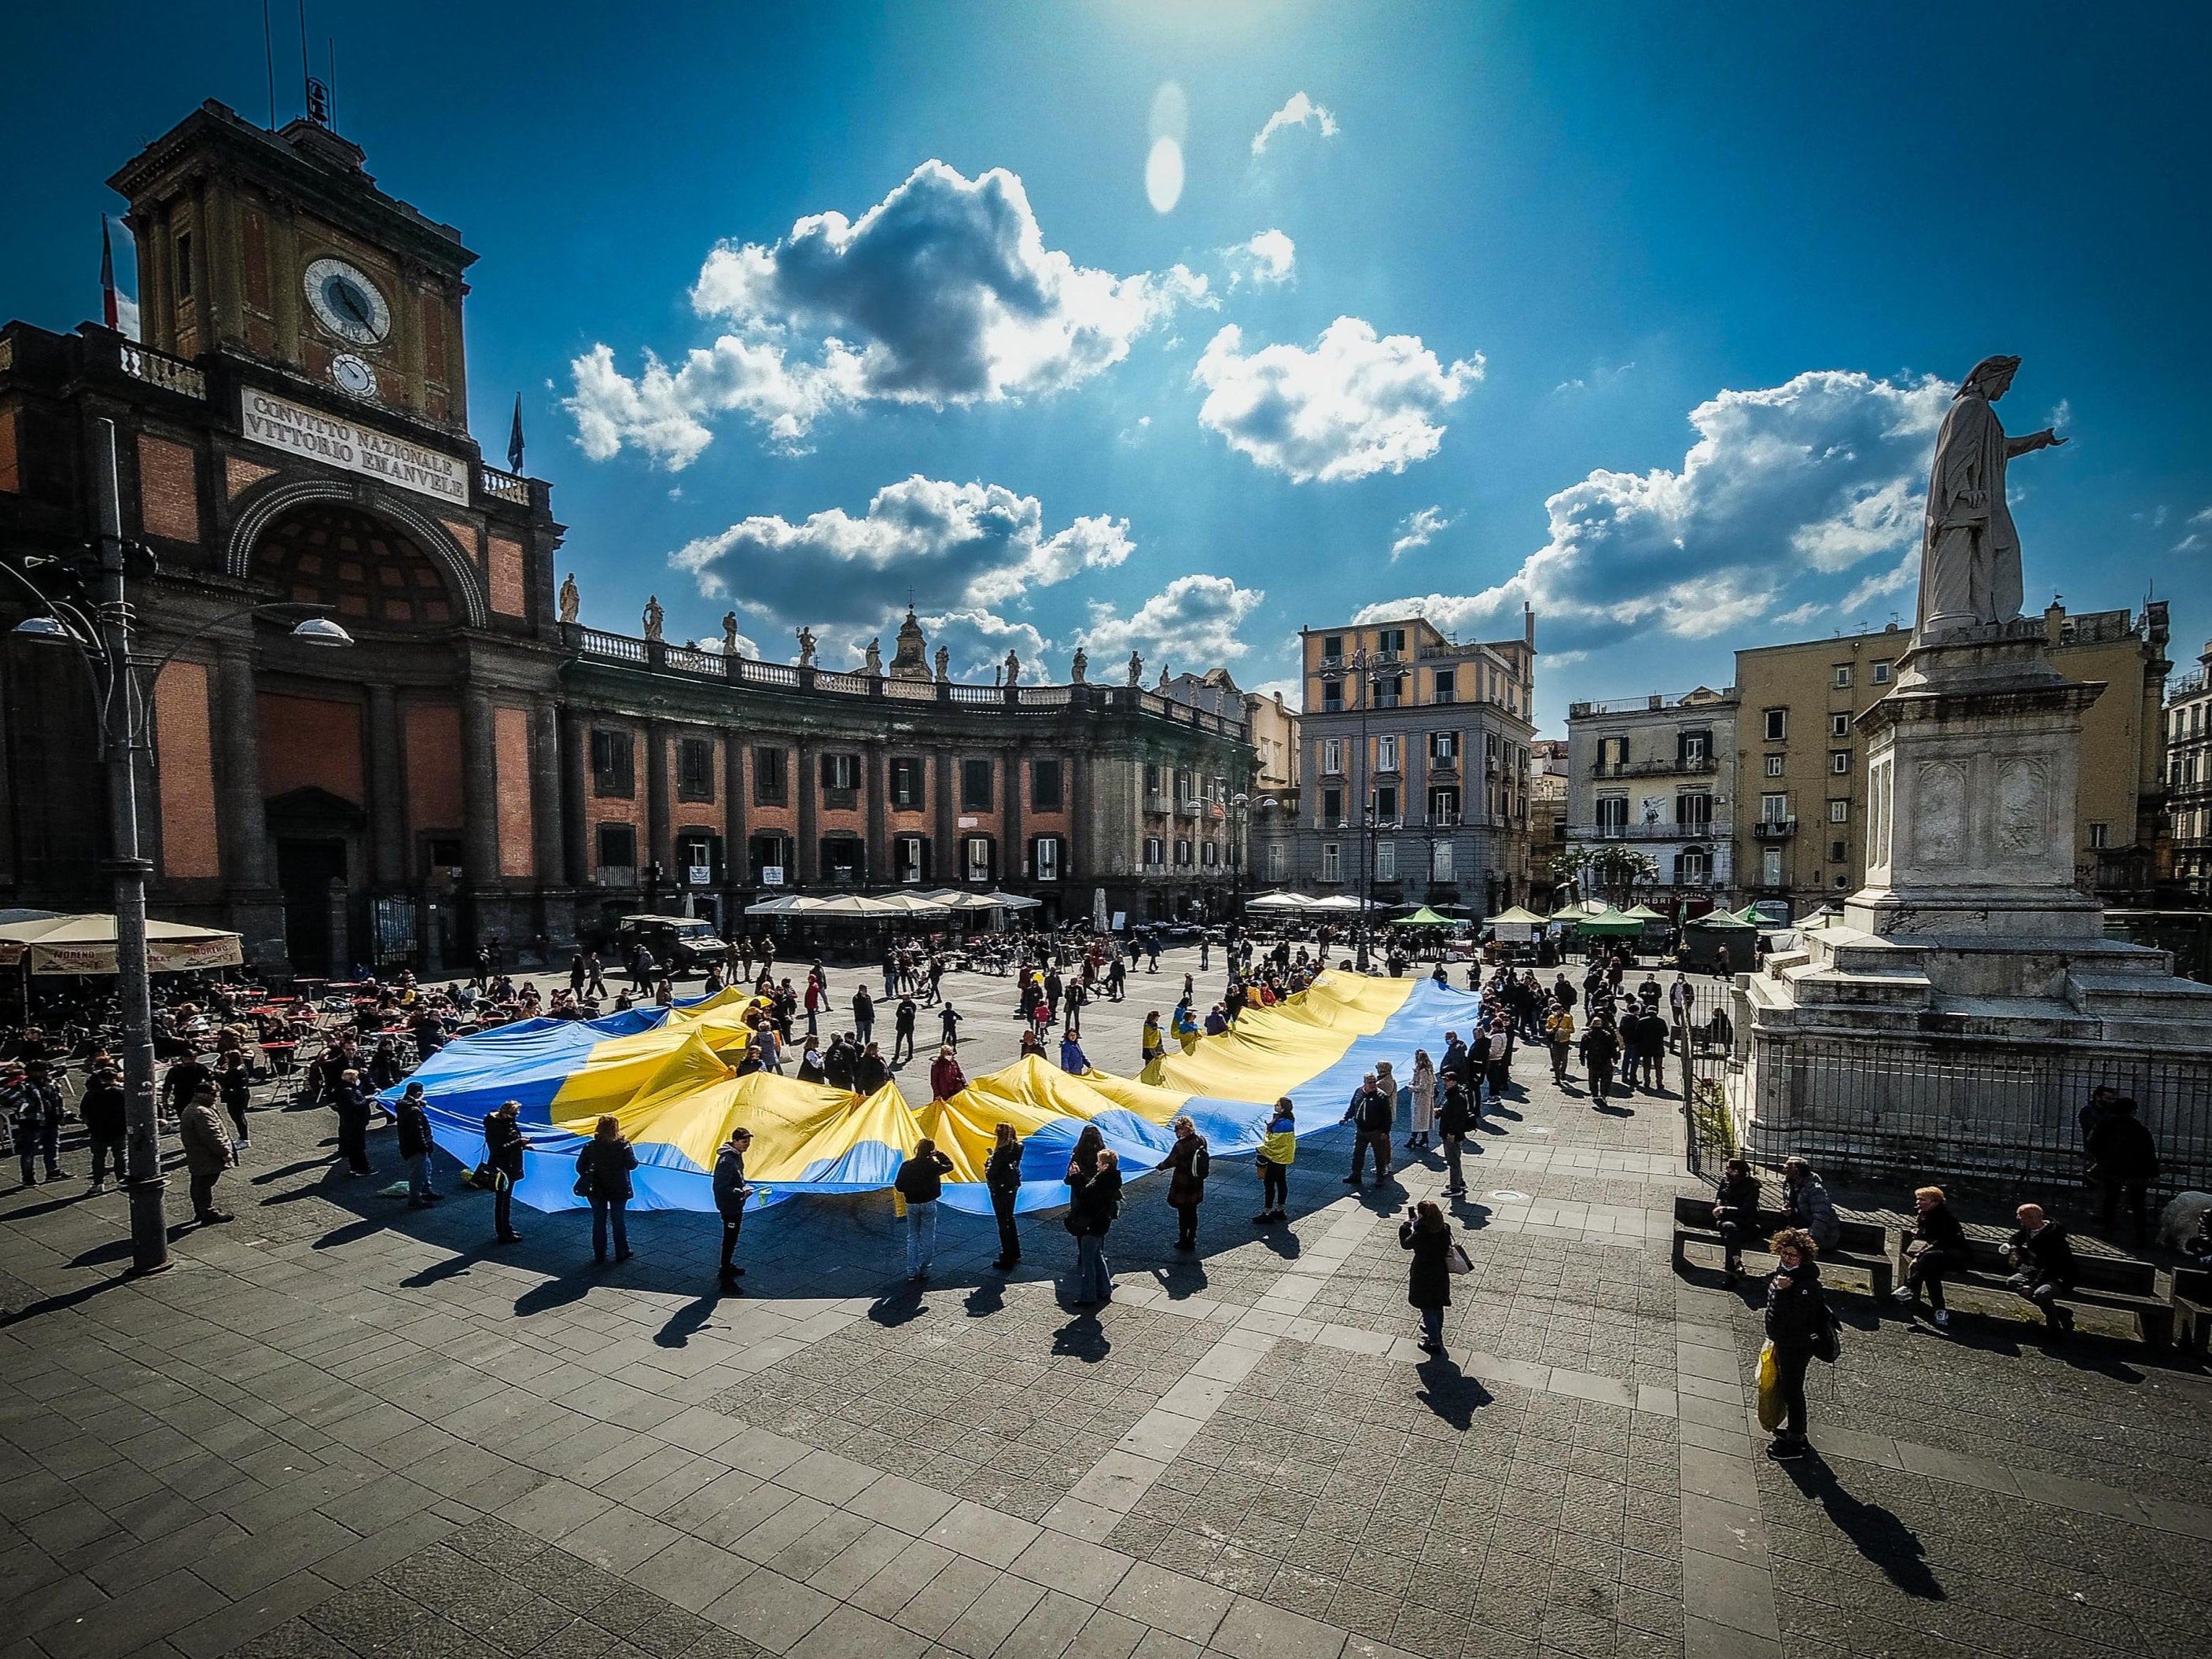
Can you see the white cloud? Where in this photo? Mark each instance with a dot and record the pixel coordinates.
(126, 316)
(979, 639)
(1268, 259)
(1798, 616)
(942, 292)
(1300, 111)
(972, 544)
(1419, 529)
(2205, 517)
(1353, 405)
(1784, 485)
(1193, 621)
(1289, 690)
(1895, 579)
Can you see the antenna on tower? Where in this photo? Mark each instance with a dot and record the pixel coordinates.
(268, 58)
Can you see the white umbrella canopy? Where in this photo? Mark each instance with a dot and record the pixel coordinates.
(1336, 904)
(1006, 901)
(913, 904)
(1284, 901)
(953, 898)
(86, 944)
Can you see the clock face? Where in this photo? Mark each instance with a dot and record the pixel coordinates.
(352, 375)
(347, 303)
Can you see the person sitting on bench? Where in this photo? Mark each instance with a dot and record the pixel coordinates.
(1934, 1244)
(2042, 1262)
(1736, 1214)
(1805, 1198)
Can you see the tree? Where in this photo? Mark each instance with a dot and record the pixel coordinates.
(1608, 870)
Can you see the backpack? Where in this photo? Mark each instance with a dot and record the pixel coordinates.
(1201, 1163)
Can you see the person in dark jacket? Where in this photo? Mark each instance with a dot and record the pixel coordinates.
(920, 1182)
(1188, 1163)
(1455, 1125)
(2124, 1160)
(233, 1085)
(864, 1014)
(107, 1124)
(1372, 1112)
(353, 1109)
(38, 1108)
(1428, 1276)
(1805, 1198)
(1002, 1175)
(903, 1018)
(1601, 1047)
(1797, 1322)
(1735, 1213)
(869, 1071)
(730, 1192)
(2042, 1258)
(1934, 1244)
(603, 1169)
(503, 1151)
(1094, 1199)
(415, 1147)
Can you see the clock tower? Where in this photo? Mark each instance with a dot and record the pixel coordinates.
(277, 247)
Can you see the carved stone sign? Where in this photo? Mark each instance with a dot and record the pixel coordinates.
(335, 442)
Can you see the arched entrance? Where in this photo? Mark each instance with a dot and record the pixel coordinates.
(369, 572)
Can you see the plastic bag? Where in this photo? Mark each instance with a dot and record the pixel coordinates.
(1770, 1391)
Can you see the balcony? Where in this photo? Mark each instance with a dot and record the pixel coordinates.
(1774, 828)
(1699, 766)
(1698, 829)
(1330, 664)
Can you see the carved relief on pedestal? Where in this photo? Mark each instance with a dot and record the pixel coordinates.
(2023, 825)
(1940, 796)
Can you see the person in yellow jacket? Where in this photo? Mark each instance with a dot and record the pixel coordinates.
(1559, 1032)
(1277, 1153)
(1154, 1052)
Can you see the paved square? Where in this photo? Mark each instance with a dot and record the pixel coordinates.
(340, 1427)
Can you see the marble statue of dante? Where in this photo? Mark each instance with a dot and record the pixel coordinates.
(572, 598)
(1969, 551)
(1136, 669)
(805, 647)
(729, 633)
(875, 656)
(653, 617)
(1080, 668)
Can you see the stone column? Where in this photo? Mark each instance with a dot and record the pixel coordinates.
(1012, 851)
(387, 792)
(806, 791)
(241, 816)
(550, 841)
(658, 849)
(877, 784)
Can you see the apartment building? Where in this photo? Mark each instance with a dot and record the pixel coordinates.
(2187, 860)
(1547, 815)
(1802, 769)
(1659, 773)
(1413, 752)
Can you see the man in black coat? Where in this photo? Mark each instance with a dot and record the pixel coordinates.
(1002, 1175)
(2043, 1265)
(730, 1192)
(503, 1151)
(1372, 1112)
(353, 1110)
(106, 1123)
(413, 1120)
(2123, 1158)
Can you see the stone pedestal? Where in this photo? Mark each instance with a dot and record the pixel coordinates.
(1958, 1014)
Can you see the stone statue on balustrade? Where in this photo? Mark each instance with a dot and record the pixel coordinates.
(807, 643)
(653, 617)
(1013, 669)
(1080, 668)
(572, 598)
(1969, 551)
(729, 633)
(874, 657)
(943, 664)
(1136, 669)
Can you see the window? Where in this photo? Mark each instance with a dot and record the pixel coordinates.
(1839, 812)
(1047, 858)
(771, 778)
(1693, 746)
(841, 778)
(1443, 806)
(906, 785)
(1695, 808)
(1447, 683)
(1777, 725)
(1331, 861)
(617, 847)
(1881, 673)
(910, 858)
(1183, 853)
(1440, 862)
(1332, 756)
(1278, 858)
(1386, 753)
(1612, 816)
(1391, 642)
(1774, 766)
(1331, 645)
(695, 769)
(974, 786)
(975, 854)
(844, 860)
(1770, 867)
(185, 266)
(1774, 809)
(1331, 808)
(1386, 860)
(1154, 850)
(1839, 725)
(1332, 696)
(766, 853)
(1208, 854)
(1839, 762)
(1612, 753)
(1045, 786)
(1836, 853)
(1386, 803)
(612, 772)
(1693, 867)
(2100, 836)
(1842, 675)
(1443, 748)
(1390, 691)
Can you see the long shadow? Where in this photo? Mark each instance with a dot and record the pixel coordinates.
(1449, 1392)
(31, 1212)
(453, 1267)
(268, 1176)
(1083, 1338)
(898, 1306)
(349, 1231)
(1470, 1214)
(1611, 1109)
(687, 1321)
(1182, 1276)
(986, 1299)
(1877, 1533)
(562, 1290)
(61, 1302)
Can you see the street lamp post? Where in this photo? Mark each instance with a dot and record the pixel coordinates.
(102, 638)
(1239, 805)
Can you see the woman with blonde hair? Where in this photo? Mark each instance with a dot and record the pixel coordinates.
(1423, 1087)
(603, 1181)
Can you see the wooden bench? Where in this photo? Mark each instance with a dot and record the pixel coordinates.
(2118, 1282)
(2193, 1307)
(1862, 1245)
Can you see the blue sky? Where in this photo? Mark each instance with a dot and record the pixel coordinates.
(1637, 313)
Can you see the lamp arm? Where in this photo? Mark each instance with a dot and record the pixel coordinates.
(214, 623)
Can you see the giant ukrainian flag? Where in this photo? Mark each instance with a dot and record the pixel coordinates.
(668, 1074)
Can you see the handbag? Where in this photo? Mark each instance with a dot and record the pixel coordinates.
(1456, 1262)
(1828, 1346)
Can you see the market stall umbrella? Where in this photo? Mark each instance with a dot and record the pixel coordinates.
(1516, 917)
(1006, 901)
(955, 898)
(1644, 913)
(1285, 900)
(86, 944)
(1336, 904)
(1424, 917)
(1617, 924)
(792, 905)
(914, 904)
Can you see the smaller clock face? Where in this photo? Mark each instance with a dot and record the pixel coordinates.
(352, 375)
(347, 303)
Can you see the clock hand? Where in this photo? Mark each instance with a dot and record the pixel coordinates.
(350, 302)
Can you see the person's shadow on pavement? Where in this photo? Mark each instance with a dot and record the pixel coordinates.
(1877, 1533)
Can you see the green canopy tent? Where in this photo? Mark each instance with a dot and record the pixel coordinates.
(1704, 937)
(1423, 917)
(1615, 924)
(1644, 913)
